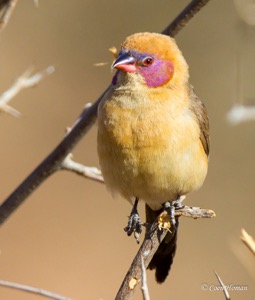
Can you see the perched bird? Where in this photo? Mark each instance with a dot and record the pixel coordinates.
(153, 132)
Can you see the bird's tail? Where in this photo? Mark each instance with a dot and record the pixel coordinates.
(163, 258)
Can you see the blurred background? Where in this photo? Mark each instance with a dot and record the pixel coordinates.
(68, 236)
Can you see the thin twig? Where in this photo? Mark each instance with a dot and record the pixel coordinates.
(87, 172)
(151, 242)
(32, 290)
(227, 296)
(6, 9)
(248, 240)
(144, 285)
(195, 212)
(53, 162)
(26, 80)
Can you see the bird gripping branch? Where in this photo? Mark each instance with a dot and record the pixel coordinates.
(153, 132)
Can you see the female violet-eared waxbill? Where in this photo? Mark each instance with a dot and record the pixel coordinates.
(153, 132)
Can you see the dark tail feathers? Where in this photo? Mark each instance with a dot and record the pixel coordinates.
(163, 258)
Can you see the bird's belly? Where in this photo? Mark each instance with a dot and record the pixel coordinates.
(155, 161)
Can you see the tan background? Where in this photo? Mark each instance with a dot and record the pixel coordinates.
(68, 237)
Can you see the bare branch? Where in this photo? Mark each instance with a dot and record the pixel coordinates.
(151, 242)
(26, 80)
(184, 17)
(144, 286)
(227, 296)
(6, 9)
(87, 172)
(81, 116)
(54, 160)
(195, 212)
(241, 113)
(248, 240)
(32, 290)
(51, 164)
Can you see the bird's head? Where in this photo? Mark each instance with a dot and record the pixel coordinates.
(152, 59)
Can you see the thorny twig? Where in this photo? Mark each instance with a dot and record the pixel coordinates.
(26, 80)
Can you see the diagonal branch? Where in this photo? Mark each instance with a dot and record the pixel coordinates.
(51, 164)
(151, 242)
(54, 160)
(184, 17)
(33, 290)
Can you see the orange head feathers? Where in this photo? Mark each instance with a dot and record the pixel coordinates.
(154, 57)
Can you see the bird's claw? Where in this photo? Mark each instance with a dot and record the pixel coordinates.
(170, 207)
(134, 223)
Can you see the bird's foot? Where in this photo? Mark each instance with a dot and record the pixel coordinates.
(178, 202)
(134, 223)
(171, 207)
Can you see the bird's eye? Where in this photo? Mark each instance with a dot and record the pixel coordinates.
(147, 61)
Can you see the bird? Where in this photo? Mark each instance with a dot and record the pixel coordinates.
(153, 133)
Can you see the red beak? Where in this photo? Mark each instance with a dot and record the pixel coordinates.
(125, 62)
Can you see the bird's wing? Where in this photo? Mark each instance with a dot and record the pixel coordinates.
(198, 108)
